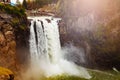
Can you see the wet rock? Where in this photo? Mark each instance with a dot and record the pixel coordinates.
(2, 40)
(49, 21)
(9, 36)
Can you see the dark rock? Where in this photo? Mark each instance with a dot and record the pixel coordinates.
(49, 21)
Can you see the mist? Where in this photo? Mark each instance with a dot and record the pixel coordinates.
(74, 54)
(92, 25)
(67, 66)
(83, 15)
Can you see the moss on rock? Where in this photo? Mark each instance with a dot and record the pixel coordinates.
(12, 10)
(4, 71)
(6, 74)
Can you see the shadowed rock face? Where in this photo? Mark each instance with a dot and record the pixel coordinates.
(7, 45)
(95, 27)
(14, 35)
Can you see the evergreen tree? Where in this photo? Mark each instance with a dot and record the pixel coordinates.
(24, 4)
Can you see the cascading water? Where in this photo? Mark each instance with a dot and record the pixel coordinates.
(45, 49)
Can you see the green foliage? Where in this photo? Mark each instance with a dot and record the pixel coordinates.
(65, 78)
(19, 18)
(13, 10)
(15, 21)
(23, 27)
(96, 75)
(100, 75)
(25, 4)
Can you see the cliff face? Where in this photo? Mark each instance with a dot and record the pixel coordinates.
(96, 28)
(7, 44)
(14, 34)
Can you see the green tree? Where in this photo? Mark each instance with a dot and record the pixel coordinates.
(24, 4)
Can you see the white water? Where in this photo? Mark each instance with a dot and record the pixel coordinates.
(45, 49)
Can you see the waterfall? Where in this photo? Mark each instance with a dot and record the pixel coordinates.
(45, 49)
(33, 46)
(44, 39)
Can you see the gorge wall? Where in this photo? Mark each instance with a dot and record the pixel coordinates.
(14, 34)
(95, 27)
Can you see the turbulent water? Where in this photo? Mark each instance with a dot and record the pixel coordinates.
(45, 49)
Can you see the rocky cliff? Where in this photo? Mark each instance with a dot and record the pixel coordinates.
(14, 34)
(95, 27)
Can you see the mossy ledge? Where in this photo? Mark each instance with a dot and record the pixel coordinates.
(14, 35)
(17, 15)
(12, 10)
(6, 74)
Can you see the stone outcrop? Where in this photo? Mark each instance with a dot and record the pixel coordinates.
(7, 45)
(14, 34)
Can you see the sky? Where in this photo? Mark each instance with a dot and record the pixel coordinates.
(14, 1)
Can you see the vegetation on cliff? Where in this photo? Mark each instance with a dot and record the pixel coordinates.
(12, 10)
(6, 74)
(4, 71)
(17, 14)
(14, 33)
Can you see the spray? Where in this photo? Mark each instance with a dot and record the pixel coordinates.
(47, 57)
